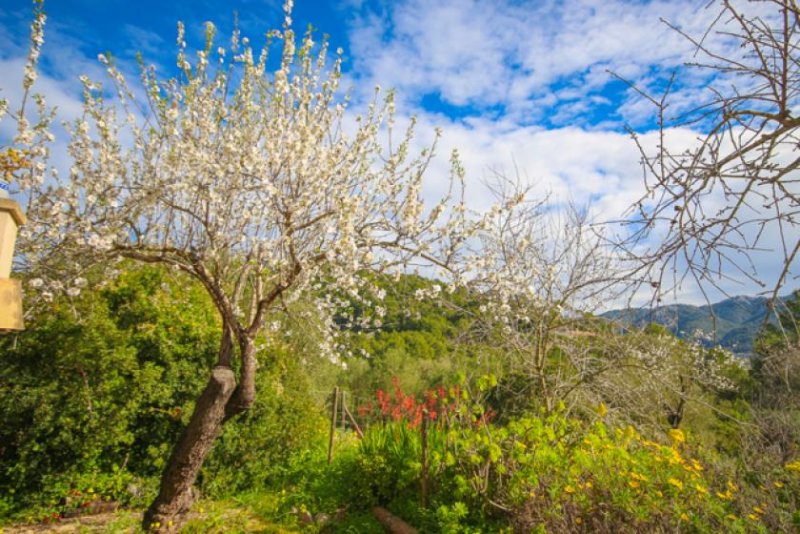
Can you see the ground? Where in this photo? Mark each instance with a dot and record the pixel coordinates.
(218, 517)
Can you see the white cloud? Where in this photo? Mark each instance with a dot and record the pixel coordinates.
(483, 53)
(531, 60)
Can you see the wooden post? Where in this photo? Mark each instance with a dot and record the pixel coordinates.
(334, 411)
(392, 523)
(424, 467)
(354, 423)
(342, 415)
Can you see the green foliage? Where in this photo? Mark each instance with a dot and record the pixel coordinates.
(784, 332)
(97, 390)
(95, 393)
(251, 453)
(100, 384)
(548, 472)
(418, 342)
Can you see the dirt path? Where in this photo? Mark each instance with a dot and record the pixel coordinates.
(121, 521)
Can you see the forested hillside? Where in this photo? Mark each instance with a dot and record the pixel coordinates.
(733, 323)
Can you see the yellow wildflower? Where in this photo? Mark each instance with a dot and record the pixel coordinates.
(602, 409)
(684, 517)
(700, 489)
(633, 483)
(677, 436)
(778, 484)
(753, 517)
(675, 457)
(793, 466)
(758, 510)
(731, 517)
(578, 520)
(675, 482)
(569, 489)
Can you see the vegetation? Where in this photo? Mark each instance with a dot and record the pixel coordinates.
(734, 323)
(76, 435)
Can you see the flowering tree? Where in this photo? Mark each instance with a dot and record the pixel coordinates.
(658, 379)
(252, 181)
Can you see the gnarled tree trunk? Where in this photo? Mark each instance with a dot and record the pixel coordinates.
(176, 495)
(221, 400)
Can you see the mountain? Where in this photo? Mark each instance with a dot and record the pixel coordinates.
(736, 321)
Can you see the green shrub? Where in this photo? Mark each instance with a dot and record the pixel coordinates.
(95, 392)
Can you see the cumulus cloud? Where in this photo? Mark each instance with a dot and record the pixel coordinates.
(520, 88)
(531, 58)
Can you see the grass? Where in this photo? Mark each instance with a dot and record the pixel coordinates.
(253, 512)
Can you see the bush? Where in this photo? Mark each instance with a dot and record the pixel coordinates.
(543, 473)
(251, 454)
(100, 384)
(97, 389)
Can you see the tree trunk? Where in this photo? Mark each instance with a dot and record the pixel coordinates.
(175, 498)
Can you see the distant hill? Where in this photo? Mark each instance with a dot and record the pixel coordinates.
(738, 321)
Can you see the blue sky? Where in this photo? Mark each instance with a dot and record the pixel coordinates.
(537, 63)
(517, 86)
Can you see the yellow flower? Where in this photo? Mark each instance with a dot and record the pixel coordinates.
(677, 436)
(725, 496)
(731, 517)
(684, 517)
(602, 409)
(578, 520)
(675, 482)
(569, 489)
(753, 517)
(793, 466)
(633, 483)
(588, 484)
(778, 484)
(758, 510)
(675, 457)
(700, 489)
(732, 486)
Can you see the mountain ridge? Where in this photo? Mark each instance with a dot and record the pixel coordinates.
(733, 323)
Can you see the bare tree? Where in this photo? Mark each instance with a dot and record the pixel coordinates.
(538, 271)
(735, 191)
